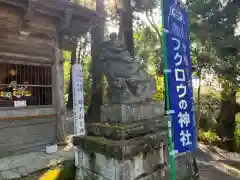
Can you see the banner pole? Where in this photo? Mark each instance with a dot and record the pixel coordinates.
(170, 138)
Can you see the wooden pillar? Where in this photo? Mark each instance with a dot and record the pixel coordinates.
(59, 93)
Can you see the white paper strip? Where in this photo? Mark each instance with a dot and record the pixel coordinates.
(78, 99)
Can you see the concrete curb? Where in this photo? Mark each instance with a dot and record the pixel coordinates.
(16, 167)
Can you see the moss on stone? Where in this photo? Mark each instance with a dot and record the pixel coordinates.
(99, 140)
(100, 145)
(115, 126)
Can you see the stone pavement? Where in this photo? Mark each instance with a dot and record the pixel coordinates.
(22, 165)
(217, 164)
(217, 171)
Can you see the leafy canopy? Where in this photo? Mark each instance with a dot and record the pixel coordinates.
(213, 24)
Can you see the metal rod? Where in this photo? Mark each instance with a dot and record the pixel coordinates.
(170, 139)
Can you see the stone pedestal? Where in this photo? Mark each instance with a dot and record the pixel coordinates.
(128, 147)
(127, 113)
(140, 157)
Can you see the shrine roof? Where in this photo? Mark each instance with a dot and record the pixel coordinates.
(73, 19)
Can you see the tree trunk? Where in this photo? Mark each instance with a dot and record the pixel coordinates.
(155, 27)
(126, 25)
(199, 98)
(121, 30)
(70, 90)
(94, 109)
(226, 118)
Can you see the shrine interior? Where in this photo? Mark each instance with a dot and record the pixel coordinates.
(29, 83)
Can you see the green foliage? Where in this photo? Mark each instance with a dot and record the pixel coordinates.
(87, 3)
(237, 133)
(148, 50)
(210, 108)
(143, 5)
(209, 137)
(213, 25)
(87, 79)
(159, 96)
(67, 68)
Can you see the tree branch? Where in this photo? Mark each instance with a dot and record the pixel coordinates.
(154, 26)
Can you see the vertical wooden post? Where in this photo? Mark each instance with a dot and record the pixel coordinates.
(59, 93)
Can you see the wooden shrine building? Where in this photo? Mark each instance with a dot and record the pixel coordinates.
(32, 35)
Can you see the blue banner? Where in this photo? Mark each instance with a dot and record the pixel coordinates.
(179, 76)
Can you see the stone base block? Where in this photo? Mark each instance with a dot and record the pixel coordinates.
(125, 113)
(84, 174)
(140, 158)
(121, 149)
(127, 131)
(120, 159)
(144, 166)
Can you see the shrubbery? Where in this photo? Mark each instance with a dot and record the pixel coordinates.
(210, 108)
